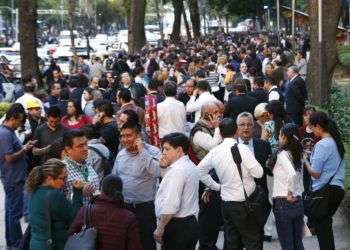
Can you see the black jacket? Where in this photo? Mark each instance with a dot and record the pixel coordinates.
(238, 104)
(296, 95)
(262, 150)
(259, 94)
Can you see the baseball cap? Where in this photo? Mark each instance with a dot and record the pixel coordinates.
(260, 109)
(32, 103)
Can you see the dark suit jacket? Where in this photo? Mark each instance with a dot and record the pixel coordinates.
(259, 94)
(262, 150)
(296, 95)
(238, 104)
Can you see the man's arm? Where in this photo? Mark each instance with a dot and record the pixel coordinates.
(9, 158)
(206, 141)
(41, 151)
(204, 167)
(164, 220)
(193, 105)
(151, 163)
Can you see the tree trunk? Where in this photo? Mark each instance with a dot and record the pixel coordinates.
(195, 18)
(188, 31)
(27, 38)
(136, 26)
(178, 9)
(323, 57)
(72, 25)
(160, 21)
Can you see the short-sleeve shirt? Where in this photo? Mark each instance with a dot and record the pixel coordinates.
(325, 160)
(46, 136)
(15, 172)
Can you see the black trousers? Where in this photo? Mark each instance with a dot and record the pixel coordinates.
(241, 230)
(146, 218)
(323, 226)
(181, 234)
(210, 221)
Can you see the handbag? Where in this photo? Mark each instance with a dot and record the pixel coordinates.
(257, 204)
(86, 239)
(316, 202)
(25, 241)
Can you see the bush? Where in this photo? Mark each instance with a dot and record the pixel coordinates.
(344, 55)
(338, 108)
(4, 106)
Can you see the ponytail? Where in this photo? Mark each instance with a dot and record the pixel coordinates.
(293, 144)
(327, 124)
(112, 186)
(34, 179)
(38, 175)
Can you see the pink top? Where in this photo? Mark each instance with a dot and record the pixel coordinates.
(82, 121)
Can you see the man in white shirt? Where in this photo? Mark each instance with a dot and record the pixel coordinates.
(271, 88)
(241, 230)
(171, 112)
(204, 96)
(176, 202)
(204, 136)
(29, 88)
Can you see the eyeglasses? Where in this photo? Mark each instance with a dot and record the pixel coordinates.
(249, 125)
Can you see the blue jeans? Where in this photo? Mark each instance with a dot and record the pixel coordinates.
(13, 213)
(289, 223)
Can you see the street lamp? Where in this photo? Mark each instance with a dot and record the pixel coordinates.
(268, 17)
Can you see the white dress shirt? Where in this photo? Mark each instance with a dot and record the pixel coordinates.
(195, 105)
(220, 158)
(285, 178)
(250, 144)
(171, 116)
(273, 95)
(207, 141)
(178, 191)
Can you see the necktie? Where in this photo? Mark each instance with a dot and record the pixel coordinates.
(246, 142)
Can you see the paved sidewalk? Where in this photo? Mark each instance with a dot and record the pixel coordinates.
(340, 226)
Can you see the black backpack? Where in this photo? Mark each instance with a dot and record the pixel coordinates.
(105, 163)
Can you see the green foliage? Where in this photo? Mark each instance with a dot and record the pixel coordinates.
(347, 177)
(344, 55)
(241, 8)
(4, 106)
(338, 108)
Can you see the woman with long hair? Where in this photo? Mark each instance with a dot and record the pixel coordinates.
(44, 185)
(288, 189)
(75, 118)
(327, 169)
(118, 230)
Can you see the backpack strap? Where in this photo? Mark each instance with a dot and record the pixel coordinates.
(87, 216)
(97, 151)
(238, 160)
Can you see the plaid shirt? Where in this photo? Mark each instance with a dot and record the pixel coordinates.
(82, 172)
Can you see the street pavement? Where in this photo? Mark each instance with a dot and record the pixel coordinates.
(340, 227)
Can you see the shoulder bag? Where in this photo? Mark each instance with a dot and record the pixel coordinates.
(257, 204)
(86, 239)
(316, 202)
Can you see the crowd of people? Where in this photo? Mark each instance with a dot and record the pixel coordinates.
(146, 143)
